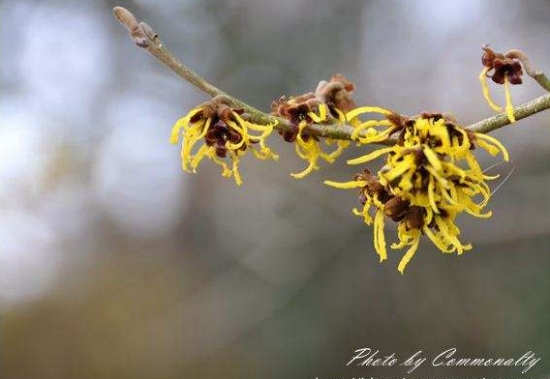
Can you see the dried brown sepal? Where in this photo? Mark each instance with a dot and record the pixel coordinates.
(415, 217)
(396, 208)
(221, 111)
(372, 188)
(295, 110)
(336, 94)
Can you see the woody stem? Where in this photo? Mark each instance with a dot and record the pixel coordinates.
(146, 38)
(523, 111)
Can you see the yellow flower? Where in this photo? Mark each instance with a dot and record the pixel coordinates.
(429, 177)
(439, 227)
(328, 104)
(365, 131)
(424, 168)
(308, 147)
(502, 69)
(371, 194)
(217, 131)
(413, 221)
(509, 108)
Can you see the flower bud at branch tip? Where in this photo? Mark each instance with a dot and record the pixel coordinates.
(126, 18)
(137, 31)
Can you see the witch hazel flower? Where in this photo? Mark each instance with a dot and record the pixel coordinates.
(428, 178)
(328, 104)
(222, 133)
(503, 69)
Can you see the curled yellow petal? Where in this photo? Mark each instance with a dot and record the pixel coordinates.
(431, 194)
(322, 117)
(495, 142)
(399, 169)
(341, 115)
(235, 169)
(242, 130)
(409, 254)
(181, 123)
(433, 159)
(379, 237)
(357, 111)
(311, 166)
(308, 150)
(437, 241)
(368, 125)
(485, 89)
(176, 129)
(197, 158)
(509, 107)
(226, 172)
(369, 157)
(346, 185)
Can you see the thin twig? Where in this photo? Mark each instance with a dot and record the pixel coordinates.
(146, 38)
(524, 110)
(533, 72)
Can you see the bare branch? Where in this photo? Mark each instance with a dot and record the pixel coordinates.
(145, 37)
(523, 111)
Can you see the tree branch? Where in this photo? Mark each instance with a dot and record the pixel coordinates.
(523, 111)
(144, 37)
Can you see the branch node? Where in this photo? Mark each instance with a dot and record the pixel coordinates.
(149, 32)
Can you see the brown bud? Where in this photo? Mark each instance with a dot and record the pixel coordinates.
(336, 93)
(126, 18)
(396, 208)
(488, 57)
(129, 21)
(415, 217)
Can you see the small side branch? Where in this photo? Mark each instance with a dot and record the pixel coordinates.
(533, 72)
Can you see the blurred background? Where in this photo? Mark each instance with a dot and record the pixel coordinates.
(116, 264)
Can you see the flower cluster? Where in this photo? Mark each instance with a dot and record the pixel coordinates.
(225, 132)
(430, 174)
(328, 104)
(502, 69)
(429, 177)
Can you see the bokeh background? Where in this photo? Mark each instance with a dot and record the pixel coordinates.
(115, 264)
